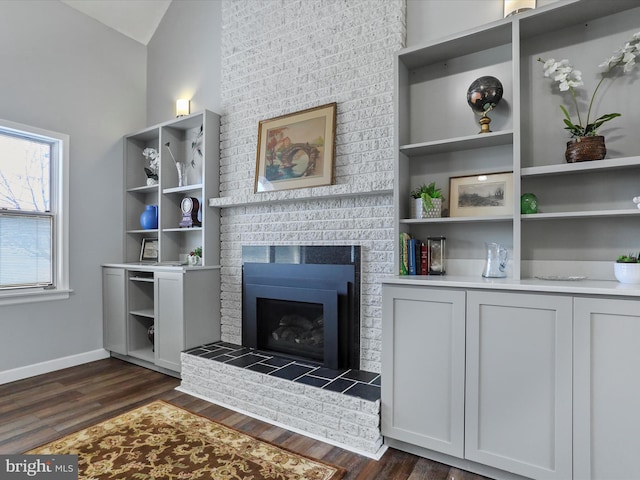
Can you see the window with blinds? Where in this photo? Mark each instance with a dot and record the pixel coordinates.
(28, 163)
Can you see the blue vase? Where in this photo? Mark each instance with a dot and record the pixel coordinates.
(149, 218)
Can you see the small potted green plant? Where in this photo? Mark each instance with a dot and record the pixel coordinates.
(195, 256)
(427, 201)
(627, 268)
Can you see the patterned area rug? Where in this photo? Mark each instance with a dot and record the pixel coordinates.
(162, 441)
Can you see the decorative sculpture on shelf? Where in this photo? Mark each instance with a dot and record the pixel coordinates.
(196, 146)
(151, 154)
(483, 96)
(181, 167)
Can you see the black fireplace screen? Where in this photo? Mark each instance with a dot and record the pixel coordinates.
(306, 311)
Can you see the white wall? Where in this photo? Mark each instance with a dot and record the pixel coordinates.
(184, 59)
(65, 72)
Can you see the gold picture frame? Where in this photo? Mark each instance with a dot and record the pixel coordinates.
(482, 195)
(296, 150)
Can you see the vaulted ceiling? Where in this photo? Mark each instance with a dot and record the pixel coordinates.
(137, 19)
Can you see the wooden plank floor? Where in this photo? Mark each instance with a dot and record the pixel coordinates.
(40, 409)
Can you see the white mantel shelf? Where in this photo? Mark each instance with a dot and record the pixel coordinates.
(306, 194)
(585, 287)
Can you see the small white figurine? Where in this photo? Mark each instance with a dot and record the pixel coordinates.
(636, 200)
(151, 154)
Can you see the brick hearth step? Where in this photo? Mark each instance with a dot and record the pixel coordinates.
(341, 407)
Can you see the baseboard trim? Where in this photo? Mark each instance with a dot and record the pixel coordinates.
(28, 371)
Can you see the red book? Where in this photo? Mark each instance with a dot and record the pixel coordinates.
(424, 260)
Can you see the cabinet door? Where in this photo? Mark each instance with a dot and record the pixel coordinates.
(423, 367)
(518, 397)
(606, 388)
(114, 311)
(169, 317)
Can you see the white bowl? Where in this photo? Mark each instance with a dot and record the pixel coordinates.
(627, 272)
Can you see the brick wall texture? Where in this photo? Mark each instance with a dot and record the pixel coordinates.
(282, 56)
(347, 421)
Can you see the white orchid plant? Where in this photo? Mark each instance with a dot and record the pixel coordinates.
(569, 79)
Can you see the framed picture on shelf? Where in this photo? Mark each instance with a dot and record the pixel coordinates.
(149, 250)
(481, 195)
(296, 150)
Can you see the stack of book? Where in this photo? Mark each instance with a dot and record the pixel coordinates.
(414, 256)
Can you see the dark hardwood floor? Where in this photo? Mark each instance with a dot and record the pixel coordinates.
(40, 409)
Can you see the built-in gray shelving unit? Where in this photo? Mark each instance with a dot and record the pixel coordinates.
(586, 215)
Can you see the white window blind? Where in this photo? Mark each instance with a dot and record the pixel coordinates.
(30, 207)
(25, 250)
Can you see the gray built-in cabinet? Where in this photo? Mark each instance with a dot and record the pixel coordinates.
(518, 382)
(180, 302)
(606, 388)
(513, 381)
(533, 375)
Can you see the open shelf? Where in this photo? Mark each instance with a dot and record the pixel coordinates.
(494, 218)
(145, 354)
(468, 142)
(201, 181)
(184, 189)
(437, 137)
(584, 214)
(572, 168)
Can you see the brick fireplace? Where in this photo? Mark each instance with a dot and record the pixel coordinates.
(316, 387)
(317, 53)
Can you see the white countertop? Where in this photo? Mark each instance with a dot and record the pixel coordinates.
(159, 266)
(581, 287)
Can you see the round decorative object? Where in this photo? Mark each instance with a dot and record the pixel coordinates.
(149, 218)
(584, 149)
(190, 207)
(627, 272)
(482, 96)
(186, 205)
(528, 203)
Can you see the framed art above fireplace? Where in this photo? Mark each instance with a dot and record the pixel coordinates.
(296, 150)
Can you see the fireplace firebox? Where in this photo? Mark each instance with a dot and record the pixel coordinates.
(307, 311)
